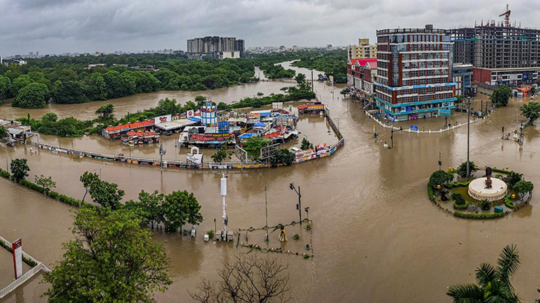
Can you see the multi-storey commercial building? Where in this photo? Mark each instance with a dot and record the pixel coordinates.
(462, 75)
(501, 53)
(215, 45)
(414, 69)
(361, 74)
(362, 51)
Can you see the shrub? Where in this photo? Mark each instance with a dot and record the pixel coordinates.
(457, 184)
(462, 169)
(69, 200)
(513, 178)
(430, 193)
(53, 194)
(486, 205)
(296, 237)
(502, 171)
(31, 185)
(440, 177)
(462, 206)
(211, 234)
(508, 202)
(4, 174)
(478, 216)
(459, 200)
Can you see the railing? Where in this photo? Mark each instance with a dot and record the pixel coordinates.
(25, 255)
(29, 274)
(449, 128)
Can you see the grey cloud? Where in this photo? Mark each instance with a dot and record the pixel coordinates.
(56, 26)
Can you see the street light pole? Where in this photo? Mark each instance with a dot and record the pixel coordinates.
(299, 205)
(266, 205)
(311, 73)
(468, 132)
(440, 161)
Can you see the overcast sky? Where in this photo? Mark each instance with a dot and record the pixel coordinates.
(59, 26)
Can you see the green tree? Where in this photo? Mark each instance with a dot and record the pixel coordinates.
(200, 100)
(132, 61)
(46, 183)
(19, 169)
(98, 88)
(105, 112)
(111, 259)
(493, 282)
(253, 146)
(148, 208)
(5, 88)
(501, 95)
(180, 207)
(462, 169)
(523, 188)
(49, 118)
(300, 78)
(221, 154)
(69, 92)
(513, 178)
(531, 111)
(282, 156)
(87, 178)
(166, 107)
(3, 132)
(106, 194)
(19, 83)
(306, 144)
(440, 177)
(34, 95)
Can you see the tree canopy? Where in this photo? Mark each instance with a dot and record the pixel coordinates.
(440, 177)
(501, 95)
(33, 95)
(531, 111)
(253, 146)
(111, 259)
(19, 169)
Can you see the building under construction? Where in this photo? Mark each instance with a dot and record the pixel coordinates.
(510, 52)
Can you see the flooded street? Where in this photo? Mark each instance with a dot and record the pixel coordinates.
(374, 227)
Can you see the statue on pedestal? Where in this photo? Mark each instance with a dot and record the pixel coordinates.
(488, 177)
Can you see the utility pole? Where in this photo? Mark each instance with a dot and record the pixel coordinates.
(440, 161)
(162, 152)
(311, 74)
(468, 132)
(266, 205)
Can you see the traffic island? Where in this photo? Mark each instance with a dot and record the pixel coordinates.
(481, 198)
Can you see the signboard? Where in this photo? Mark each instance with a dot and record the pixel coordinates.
(414, 128)
(223, 127)
(161, 119)
(17, 257)
(190, 113)
(445, 112)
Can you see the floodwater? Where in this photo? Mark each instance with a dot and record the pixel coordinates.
(376, 236)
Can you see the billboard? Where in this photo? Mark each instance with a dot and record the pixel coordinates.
(190, 113)
(17, 257)
(161, 119)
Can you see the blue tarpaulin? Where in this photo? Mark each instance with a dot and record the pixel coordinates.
(259, 124)
(247, 135)
(195, 119)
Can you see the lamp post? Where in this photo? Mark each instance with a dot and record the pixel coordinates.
(100, 170)
(392, 134)
(162, 152)
(440, 161)
(299, 205)
(470, 94)
(311, 73)
(307, 212)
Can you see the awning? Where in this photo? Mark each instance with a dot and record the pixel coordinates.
(247, 135)
(15, 131)
(195, 119)
(259, 124)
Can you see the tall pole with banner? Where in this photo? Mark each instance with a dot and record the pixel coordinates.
(17, 257)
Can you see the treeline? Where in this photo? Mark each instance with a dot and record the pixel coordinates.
(67, 80)
(332, 63)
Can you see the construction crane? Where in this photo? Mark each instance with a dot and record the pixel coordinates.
(506, 15)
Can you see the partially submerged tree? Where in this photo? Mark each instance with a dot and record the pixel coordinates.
(531, 111)
(179, 208)
(19, 169)
(462, 169)
(105, 112)
(253, 146)
(440, 177)
(148, 208)
(493, 283)
(106, 194)
(251, 278)
(111, 259)
(46, 183)
(501, 95)
(306, 144)
(222, 154)
(523, 188)
(87, 179)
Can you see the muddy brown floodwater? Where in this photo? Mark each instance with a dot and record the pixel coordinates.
(376, 236)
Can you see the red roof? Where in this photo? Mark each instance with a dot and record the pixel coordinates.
(362, 62)
(372, 65)
(129, 126)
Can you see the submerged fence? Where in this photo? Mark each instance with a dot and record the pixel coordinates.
(449, 128)
(29, 274)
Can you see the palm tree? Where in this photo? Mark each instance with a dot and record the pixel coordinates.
(493, 283)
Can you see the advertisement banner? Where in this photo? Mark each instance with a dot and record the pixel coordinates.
(17, 257)
(190, 113)
(161, 119)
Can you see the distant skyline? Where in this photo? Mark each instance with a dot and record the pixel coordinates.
(86, 26)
